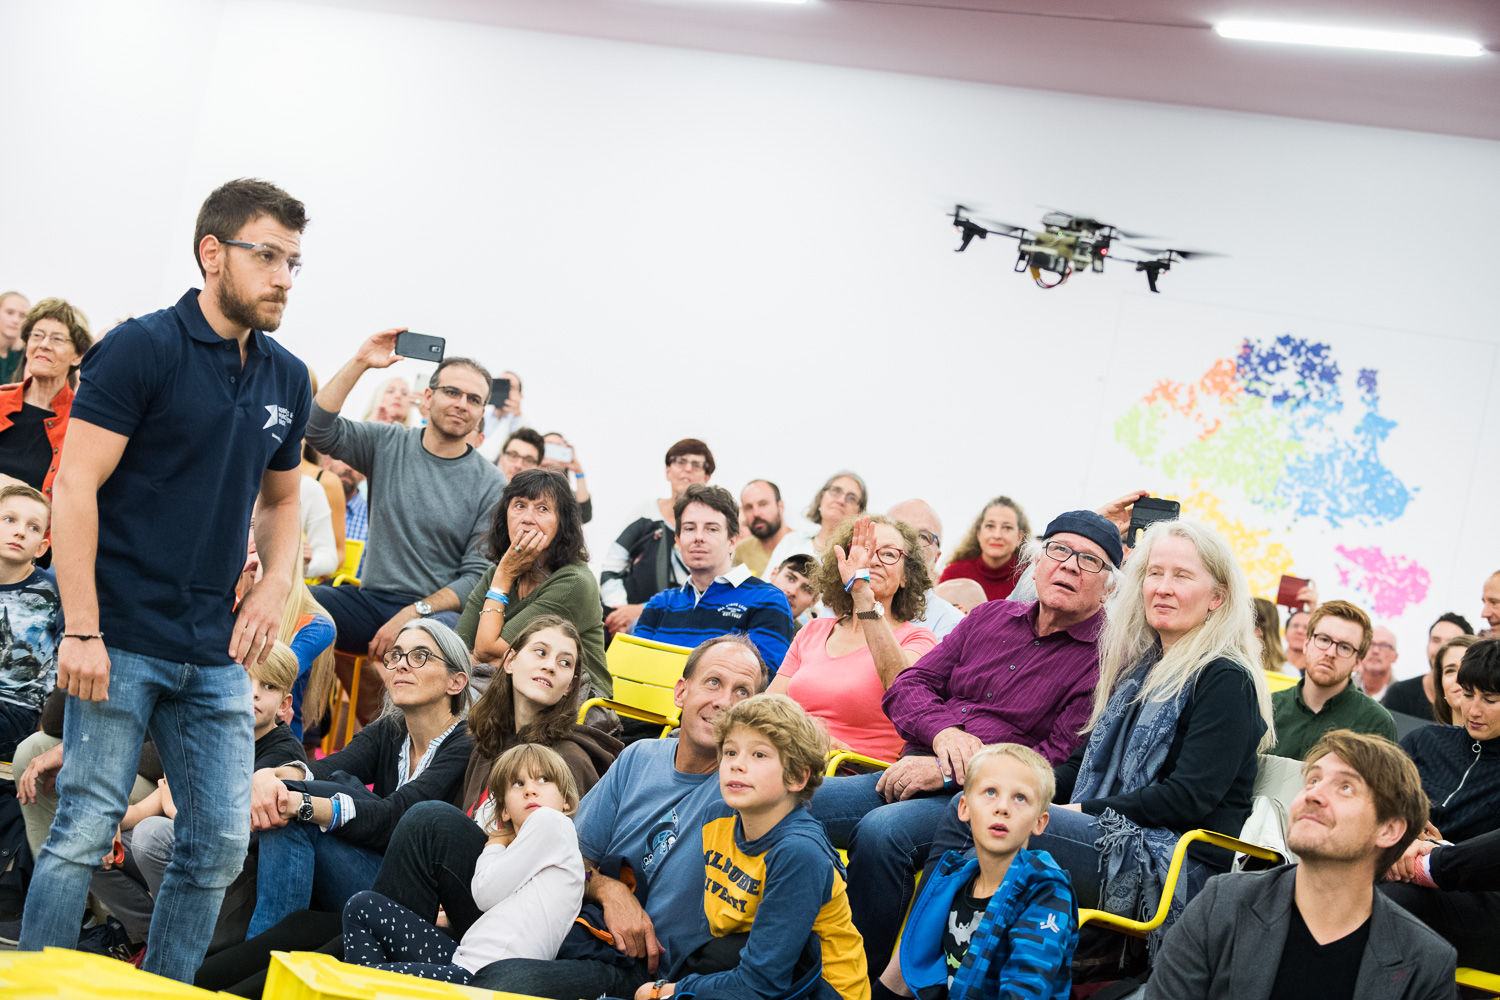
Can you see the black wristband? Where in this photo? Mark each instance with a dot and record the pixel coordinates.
(82, 635)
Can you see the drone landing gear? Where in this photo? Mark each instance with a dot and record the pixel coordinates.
(1153, 269)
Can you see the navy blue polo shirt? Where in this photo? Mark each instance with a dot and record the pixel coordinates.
(174, 515)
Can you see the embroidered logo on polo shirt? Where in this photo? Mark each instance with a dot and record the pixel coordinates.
(278, 416)
(733, 610)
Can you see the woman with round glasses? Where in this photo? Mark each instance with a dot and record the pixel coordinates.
(1179, 712)
(34, 412)
(322, 832)
(874, 579)
(990, 553)
(843, 496)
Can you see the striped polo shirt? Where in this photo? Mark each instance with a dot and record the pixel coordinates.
(736, 602)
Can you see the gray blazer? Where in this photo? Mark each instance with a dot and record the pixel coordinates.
(1228, 941)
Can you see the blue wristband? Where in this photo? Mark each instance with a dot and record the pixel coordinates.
(333, 821)
(859, 574)
(495, 595)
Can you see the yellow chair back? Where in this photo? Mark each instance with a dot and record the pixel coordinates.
(645, 674)
(349, 572)
(1279, 682)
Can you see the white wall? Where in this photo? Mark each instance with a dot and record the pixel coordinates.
(669, 243)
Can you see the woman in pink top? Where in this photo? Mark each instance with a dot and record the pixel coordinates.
(874, 578)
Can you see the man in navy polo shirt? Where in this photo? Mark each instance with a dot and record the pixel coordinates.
(182, 418)
(718, 597)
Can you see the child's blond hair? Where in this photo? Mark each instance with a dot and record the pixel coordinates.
(799, 741)
(280, 669)
(1046, 781)
(26, 493)
(537, 761)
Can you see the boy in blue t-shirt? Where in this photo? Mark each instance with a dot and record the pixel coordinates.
(30, 615)
(1004, 925)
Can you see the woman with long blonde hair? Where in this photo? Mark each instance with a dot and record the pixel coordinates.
(1180, 711)
(309, 631)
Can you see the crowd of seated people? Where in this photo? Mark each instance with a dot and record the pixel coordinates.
(1031, 725)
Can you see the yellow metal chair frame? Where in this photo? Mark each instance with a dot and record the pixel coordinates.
(1140, 928)
(838, 758)
(1478, 980)
(353, 553)
(645, 674)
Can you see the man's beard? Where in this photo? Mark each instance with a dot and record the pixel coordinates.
(763, 529)
(244, 312)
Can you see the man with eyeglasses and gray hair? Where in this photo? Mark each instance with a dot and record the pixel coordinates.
(1338, 640)
(1010, 672)
(1379, 665)
(430, 497)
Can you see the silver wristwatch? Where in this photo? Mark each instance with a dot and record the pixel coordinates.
(873, 615)
(305, 810)
(423, 608)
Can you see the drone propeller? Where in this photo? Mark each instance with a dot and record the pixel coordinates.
(1180, 254)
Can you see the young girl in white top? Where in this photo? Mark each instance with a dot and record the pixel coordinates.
(528, 882)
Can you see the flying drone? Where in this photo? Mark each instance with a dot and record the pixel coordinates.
(1070, 243)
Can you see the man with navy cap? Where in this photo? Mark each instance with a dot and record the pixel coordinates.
(1011, 672)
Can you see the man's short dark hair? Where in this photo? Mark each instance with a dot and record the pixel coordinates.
(714, 497)
(529, 436)
(800, 563)
(1452, 618)
(1479, 670)
(568, 546)
(233, 205)
(739, 639)
(692, 446)
(775, 490)
(468, 363)
(1392, 778)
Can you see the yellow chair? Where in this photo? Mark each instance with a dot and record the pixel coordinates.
(1279, 682)
(1140, 928)
(349, 572)
(1477, 980)
(71, 975)
(838, 758)
(645, 674)
(302, 975)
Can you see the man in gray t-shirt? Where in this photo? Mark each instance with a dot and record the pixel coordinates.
(430, 499)
(649, 809)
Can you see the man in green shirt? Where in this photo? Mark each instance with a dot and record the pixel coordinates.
(1338, 637)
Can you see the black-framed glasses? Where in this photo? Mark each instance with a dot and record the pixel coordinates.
(454, 393)
(890, 555)
(1087, 561)
(416, 659)
(928, 538)
(525, 460)
(270, 258)
(1324, 641)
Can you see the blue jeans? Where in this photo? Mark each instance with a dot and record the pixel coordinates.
(301, 867)
(200, 720)
(888, 843)
(1070, 840)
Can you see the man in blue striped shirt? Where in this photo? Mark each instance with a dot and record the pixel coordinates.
(717, 598)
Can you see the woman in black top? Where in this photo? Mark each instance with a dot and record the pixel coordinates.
(34, 412)
(1179, 713)
(321, 840)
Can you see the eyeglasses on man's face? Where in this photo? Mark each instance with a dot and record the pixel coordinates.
(454, 393)
(928, 538)
(1087, 561)
(515, 456)
(270, 258)
(416, 659)
(1324, 641)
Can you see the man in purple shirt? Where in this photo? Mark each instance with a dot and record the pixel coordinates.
(1010, 673)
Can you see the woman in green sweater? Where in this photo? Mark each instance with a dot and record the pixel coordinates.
(541, 568)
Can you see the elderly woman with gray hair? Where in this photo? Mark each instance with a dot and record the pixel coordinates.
(322, 832)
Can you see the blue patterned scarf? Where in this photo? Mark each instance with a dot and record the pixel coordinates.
(1125, 753)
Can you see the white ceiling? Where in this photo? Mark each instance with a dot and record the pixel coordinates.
(1152, 50)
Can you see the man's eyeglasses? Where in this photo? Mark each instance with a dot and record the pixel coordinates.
(416, 659)
(928, 538)
(1389, 647)
(1323, 641)
(690, 464)
(454, 393)
(271, 259)
(1087, 561)
(525, 460)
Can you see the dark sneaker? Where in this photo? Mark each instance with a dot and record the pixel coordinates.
(108, 938)
(10, 934)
